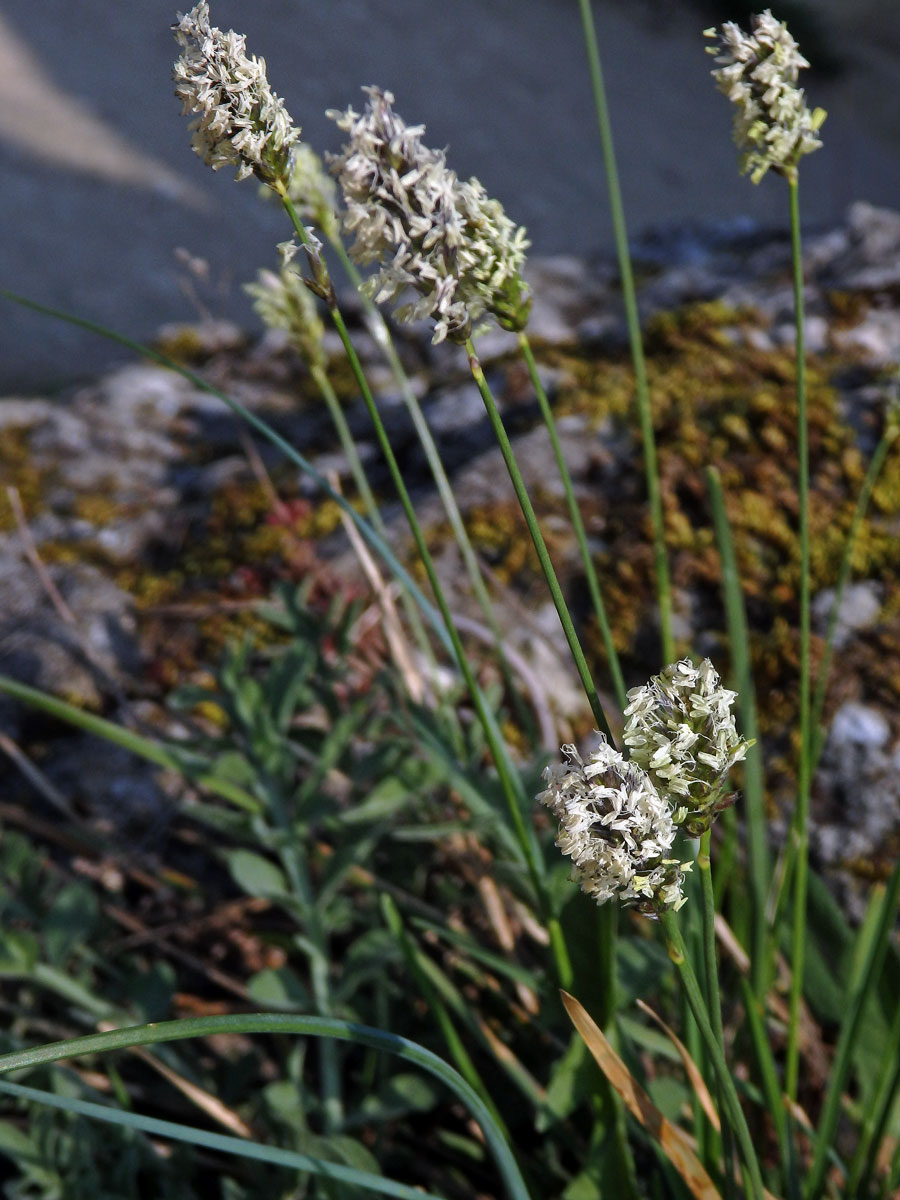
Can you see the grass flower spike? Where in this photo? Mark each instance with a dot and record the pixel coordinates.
(312, 191)
(240, 121)
(431, 234)
(616, 828)
(758, 72)
(680, 729)
(283, 301)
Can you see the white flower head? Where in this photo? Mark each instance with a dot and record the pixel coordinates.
(429, 233)
(283, 301)
(616, 828)
(758, 72)
(679, 728)
(240, 121)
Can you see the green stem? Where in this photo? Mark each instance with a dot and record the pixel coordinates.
(888, 437)
(713, 994)
(755, 1008)
(316, 944)
(800, 830)
(731, 1102)
(348, 445)
(170, 756)
(875, 1121)
(875, 936)
(590, 572)
(525, 833)
(357, 470)
(632, 317)
(281, 1023)
(754, 782)
(454, 1042)
(540, 545)
(220, 1143)
(381, 333)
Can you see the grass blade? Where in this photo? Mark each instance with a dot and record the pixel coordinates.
(170, 757)
(223, 1143)
(754, 782)
(281, 1023)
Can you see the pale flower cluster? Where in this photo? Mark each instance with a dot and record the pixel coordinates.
(680, 729)
(312, 190)
(283, 301)
(758, 72)
(430, 234)
(240, 120)
(616, 828)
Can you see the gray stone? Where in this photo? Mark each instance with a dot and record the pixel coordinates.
(858, 725)
(40, 648)
(860, 609)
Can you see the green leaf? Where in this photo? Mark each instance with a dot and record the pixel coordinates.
(385, 800)
(286, 685)
(641, 966)
(19, 951)
(17, 1144)
(368, 958)
(279, 987)
(70, 922)
(399, 1096)
(234, 767)
(572, 1082)
(669, 1095)
(255, 875)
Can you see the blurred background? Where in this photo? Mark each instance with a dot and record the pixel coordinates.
(102, 196)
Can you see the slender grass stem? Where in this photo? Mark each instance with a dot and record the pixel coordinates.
(713, 993)
(874, 938)
(864, 1161)
(632, 317)
(454, 1042)
(524, 832)
(511, 785)
(285, 1024)
(755, 1010)
(357, 470)
(886, 441)
(607, 915)
(540, 545)
(759, 861)
(800, 831)
(817, 732)
(378, 327)
(590, 571)
(732, 1105)
(316, 945)
(240, 1147)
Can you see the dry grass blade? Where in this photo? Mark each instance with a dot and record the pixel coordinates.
(693, 1072)
(671, 1139)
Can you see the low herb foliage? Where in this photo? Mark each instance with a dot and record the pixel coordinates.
(361, 871)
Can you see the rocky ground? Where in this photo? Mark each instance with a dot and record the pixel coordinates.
(150, 524)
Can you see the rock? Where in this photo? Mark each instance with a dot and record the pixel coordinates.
(860, 609)
(857, 726)
(871, 259)
(107, 782)
(877, 337)
(39, 648)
